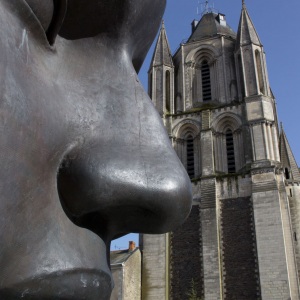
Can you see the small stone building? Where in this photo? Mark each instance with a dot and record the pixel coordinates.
(126, 271)
(241, 240)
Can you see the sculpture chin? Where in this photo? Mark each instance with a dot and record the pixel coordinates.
(68, 285)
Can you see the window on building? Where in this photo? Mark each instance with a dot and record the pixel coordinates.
(242, 84)
(287, 173)
(230, 152)
(150, 84)
(190, 165)
(168, 91)
(259, 71)
(206, 84)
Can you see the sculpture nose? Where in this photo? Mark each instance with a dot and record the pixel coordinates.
(127, 181)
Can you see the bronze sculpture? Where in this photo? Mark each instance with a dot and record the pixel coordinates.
(80, 144)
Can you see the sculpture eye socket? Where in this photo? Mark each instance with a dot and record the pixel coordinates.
(43, 10)
(59, 12)
(50, 14)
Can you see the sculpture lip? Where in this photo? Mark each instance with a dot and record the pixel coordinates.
(75, 284)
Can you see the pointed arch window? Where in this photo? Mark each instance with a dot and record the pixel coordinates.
(168, 91)
(230, 151)
(206, 83)
(190, 165)
(242, 84)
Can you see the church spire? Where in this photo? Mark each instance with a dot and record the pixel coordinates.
(161, 75)
(246, 32)
(287, 158)
(162, 54)
(250, 58)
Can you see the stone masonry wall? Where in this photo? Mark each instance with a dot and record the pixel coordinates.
(186, 262)
(293, 190)
(273, 274)
(132, 277)
(239, 250)
(153, 266)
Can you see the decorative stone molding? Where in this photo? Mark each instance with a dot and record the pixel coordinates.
(187, 125)
(262, 171)
(227, 120)
(222, 133)
(207, 49)
(179, 141)
(256, 122)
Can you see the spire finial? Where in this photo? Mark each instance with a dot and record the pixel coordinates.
(243, 4)
(206, 7)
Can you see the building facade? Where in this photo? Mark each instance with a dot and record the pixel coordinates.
(241, 240)
(126, 271)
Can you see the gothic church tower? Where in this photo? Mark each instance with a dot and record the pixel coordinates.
(241, 239)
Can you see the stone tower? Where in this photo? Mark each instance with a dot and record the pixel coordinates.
(241, 239)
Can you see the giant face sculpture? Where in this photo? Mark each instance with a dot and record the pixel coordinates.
(82, 147)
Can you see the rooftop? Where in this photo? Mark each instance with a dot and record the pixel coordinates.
(210, 25)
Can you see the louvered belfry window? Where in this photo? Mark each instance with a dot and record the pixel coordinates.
(230, 151)
(206, 84)
(190, 156)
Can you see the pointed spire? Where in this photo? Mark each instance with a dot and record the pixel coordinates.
(246, 33)
(162, 54)
(287, 158)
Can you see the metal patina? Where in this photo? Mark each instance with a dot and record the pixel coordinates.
(82, 146)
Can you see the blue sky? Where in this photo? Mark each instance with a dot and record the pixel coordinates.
(278, 26)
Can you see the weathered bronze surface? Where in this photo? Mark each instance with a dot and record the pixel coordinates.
(81, 144)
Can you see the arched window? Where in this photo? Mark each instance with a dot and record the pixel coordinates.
(259, 71)
(206, 84)
(190, 165)
(230, 151)
(167, 91)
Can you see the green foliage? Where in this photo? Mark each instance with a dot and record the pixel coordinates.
(192, 294)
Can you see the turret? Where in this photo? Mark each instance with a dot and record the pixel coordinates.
(161, 75)
(288, 160)
(254, 90)
(250, 59)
